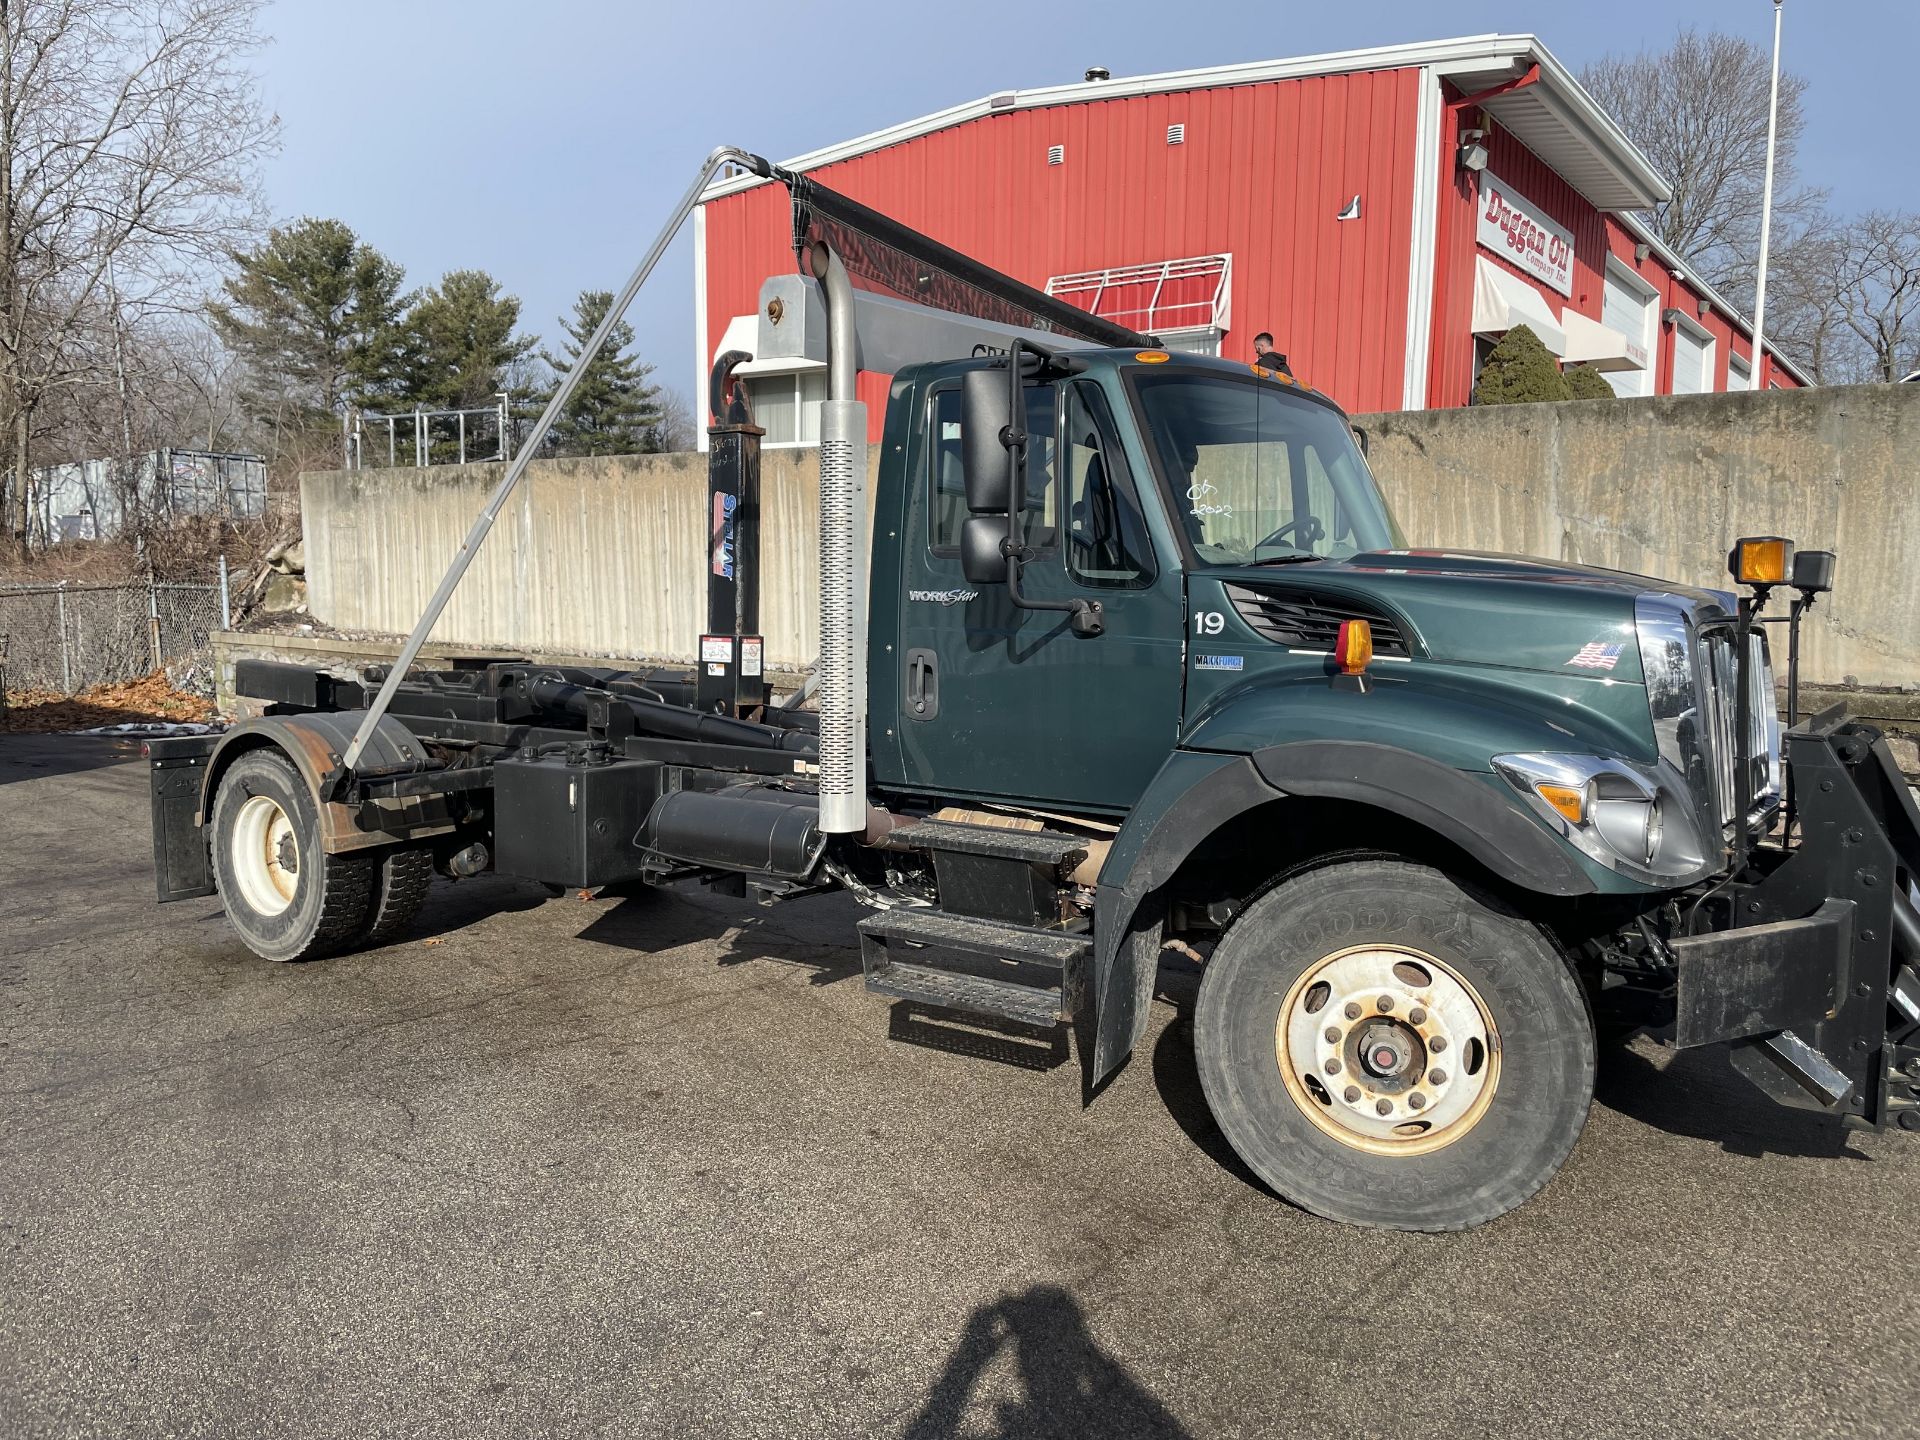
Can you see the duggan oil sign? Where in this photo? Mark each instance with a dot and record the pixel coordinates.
(1515, 230)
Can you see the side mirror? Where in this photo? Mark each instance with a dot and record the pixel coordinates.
(982, 560)
(983, 455)
(1361, 438)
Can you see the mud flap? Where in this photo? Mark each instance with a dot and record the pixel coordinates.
(177, 768)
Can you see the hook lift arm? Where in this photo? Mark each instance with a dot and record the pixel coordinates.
(334, 785)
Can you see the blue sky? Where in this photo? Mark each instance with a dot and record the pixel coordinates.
(544, 143)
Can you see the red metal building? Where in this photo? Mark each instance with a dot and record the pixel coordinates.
(1386, 214)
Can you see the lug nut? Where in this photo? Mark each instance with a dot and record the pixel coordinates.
(1384, 1107)
(1437, 1077)
(1417, 1017)
(1385, 1002)
(1353, 1010)
(1437, 1044)
(1417, 1100)
(1352, 1094)
(1333, 1035)
(1333, 1067)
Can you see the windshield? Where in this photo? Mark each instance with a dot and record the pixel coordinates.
(1259, 475)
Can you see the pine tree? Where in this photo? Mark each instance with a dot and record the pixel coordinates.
(615, 411)
(1587, 383)
(314, 317)
(1519, 371)
(461, 343)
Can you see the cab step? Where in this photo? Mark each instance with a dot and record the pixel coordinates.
(982, 967)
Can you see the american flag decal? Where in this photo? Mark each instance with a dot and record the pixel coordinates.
(1595, 656)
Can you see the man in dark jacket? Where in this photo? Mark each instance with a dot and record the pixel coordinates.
(1265, 356)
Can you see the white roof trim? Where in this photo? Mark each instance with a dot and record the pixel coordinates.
(1637, 228)
(1468, 55)
(1502, 301)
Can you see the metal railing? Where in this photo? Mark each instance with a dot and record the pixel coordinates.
(430, 437)
(69, 637)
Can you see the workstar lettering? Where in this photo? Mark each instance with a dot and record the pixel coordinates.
(944, 597)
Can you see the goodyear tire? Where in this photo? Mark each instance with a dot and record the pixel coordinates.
(287, 898)
(1385, 1046)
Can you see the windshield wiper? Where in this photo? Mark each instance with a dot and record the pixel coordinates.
(1296, 558)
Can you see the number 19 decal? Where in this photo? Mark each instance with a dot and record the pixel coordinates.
(1209, 622)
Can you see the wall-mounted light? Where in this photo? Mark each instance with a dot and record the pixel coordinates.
(1706, 307)
(1673, 316)
(1641, 251)
(1472, 154)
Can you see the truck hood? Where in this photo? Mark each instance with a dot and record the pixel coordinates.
(1481, 608)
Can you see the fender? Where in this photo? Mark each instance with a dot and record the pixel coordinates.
(314, 742)
(1194, 794)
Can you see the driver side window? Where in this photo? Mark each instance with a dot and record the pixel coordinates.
(1107, 541)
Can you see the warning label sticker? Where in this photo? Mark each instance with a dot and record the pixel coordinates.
(716, 650)
(750, 646)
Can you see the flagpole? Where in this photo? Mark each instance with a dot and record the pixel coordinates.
(1766, 217)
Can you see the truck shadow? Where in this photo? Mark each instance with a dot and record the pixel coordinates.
(1698, 1095)
(1068, 1385)
(660, 920)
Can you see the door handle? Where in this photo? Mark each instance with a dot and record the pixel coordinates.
(923, 685)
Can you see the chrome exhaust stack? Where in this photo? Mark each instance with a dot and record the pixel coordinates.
(842, 670)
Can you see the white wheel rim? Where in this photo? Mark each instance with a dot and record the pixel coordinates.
(1388, 1050)
(265, 854)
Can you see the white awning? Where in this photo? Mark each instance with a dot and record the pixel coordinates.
(1604, 348)
(1502, 301)
(743, 333)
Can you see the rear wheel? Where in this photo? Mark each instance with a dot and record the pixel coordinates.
(285, 896)
(1384, 1046)
(400, 884)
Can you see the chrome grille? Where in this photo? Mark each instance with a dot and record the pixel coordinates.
(1720, 717)
(1688, 658)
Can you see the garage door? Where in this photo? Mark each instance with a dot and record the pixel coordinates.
(1627, 308)
(1691, 357)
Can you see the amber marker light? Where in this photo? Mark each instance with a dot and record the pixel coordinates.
(1353, 648)
(1152, 357)
(1569, 800)
(1761, 560)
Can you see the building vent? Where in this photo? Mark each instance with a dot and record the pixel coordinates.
(1056, 154)
(1177, 134)
(1302, 620)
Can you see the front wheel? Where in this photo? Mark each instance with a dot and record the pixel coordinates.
(1384, 1046)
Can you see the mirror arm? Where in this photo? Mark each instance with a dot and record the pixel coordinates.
(1086, 615)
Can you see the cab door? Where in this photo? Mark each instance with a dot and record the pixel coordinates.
(1003, 703)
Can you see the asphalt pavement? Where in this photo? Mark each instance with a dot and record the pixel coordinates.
(662, 1166)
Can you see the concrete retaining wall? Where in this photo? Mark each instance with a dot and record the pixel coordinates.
(606, 557)
(595, 557)
(1664, 486)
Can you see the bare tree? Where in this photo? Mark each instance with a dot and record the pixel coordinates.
(129, 133)
(1699, 111)
(679, 431)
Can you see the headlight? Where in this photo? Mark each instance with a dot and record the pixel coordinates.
(1616, 811)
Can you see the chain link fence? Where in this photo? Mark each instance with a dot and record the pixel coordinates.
(68, 637)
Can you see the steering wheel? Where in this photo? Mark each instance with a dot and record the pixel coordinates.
(1305, 529)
